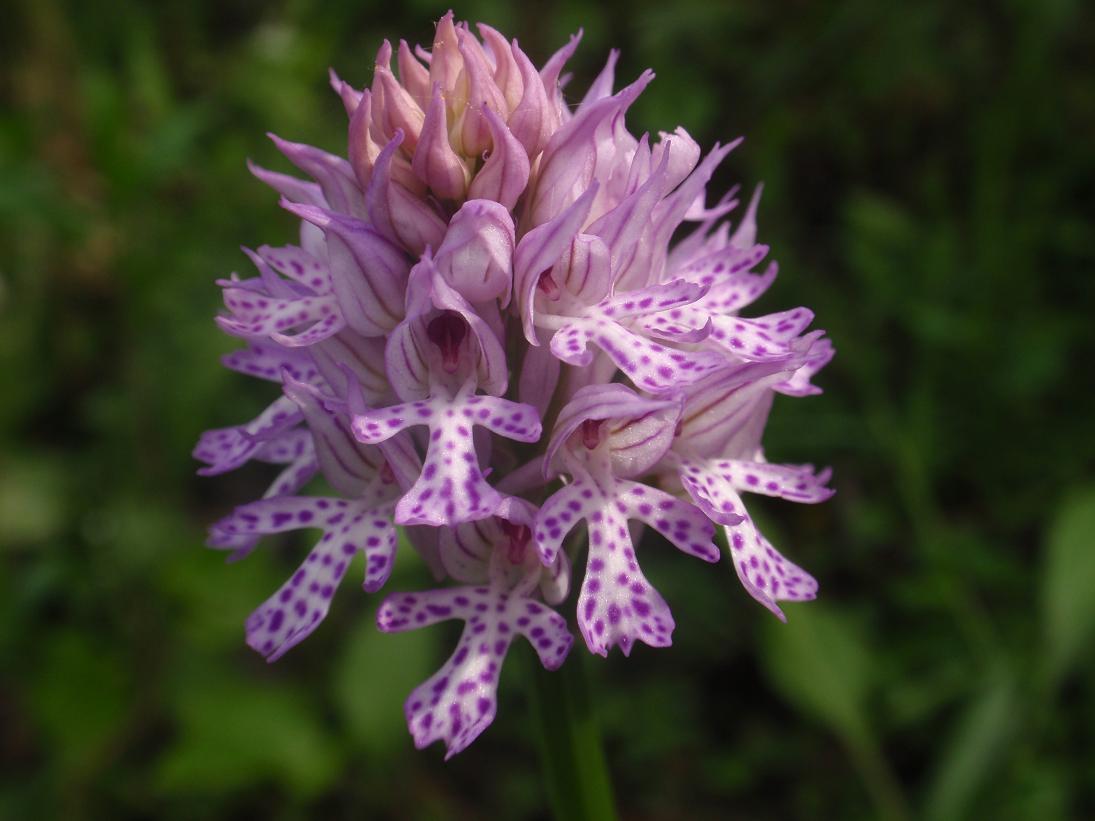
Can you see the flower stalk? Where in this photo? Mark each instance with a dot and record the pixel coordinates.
(574, 768)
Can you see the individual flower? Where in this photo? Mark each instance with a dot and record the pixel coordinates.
(487, 336)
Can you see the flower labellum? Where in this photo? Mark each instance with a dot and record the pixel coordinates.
(486, 337)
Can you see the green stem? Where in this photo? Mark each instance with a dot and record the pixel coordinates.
(572, 759)
(879, 779)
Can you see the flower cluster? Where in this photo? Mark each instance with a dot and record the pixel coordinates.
(486, 337)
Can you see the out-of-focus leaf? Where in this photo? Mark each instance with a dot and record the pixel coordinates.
(820, 664)
(1040, 788)
(972, 750)
(879, 231)
(1068, 579)
(79, 695)
(374, 676)
(236, 734)
(31, 499)
(217, 597)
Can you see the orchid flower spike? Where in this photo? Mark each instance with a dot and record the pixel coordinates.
(486, 336)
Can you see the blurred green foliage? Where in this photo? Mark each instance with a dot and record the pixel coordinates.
(929, 189)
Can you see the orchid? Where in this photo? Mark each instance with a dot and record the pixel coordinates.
(486, 336)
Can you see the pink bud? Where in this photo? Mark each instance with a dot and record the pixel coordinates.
(477, 254)
(350, 96)
(400, 112)
(550, 76)
(412, 75)
(567, 166)
(363, 150)
(533, 119)
(383, 59)
(435, 163)
(507, 75)
(483, 94)
(505, 174)
(445, 60)
(396, 212)
(415, 223)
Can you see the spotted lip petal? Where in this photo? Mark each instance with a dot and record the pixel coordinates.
(799, 384)
(297, 608)
(766, 575)
(459, 701)
(297, 264)
(268, 361)
(726, 292)
(796, 483)
(451, 488)
(260, 317)
(225, 449)
(650, 365)
(617, 605)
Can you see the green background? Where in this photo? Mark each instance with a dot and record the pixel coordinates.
(929, 173)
